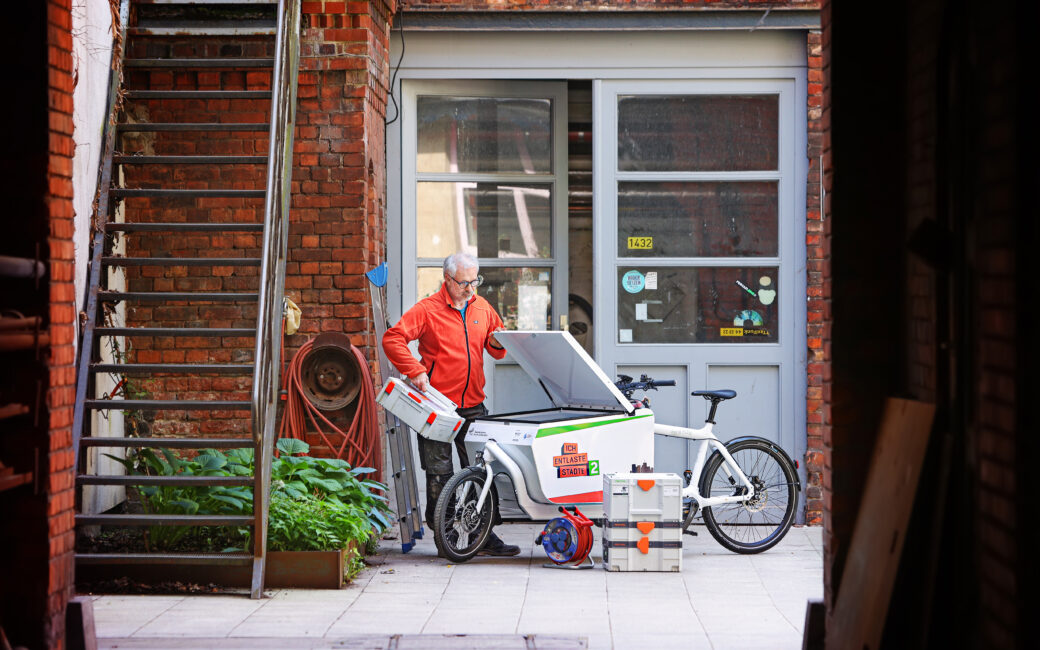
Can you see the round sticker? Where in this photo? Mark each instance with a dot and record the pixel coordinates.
(633, 281)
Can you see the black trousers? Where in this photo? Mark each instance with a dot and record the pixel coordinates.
(435, 459)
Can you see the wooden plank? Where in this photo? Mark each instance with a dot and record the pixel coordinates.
(884, 514)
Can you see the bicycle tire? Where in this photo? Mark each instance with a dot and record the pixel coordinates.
(459, 530)
(770, 511)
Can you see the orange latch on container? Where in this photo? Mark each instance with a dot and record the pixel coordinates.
(389, 388)
(645, 527)
(643, 545)
(457, 425)
(417, 399)
(430, 420)
(646, 483)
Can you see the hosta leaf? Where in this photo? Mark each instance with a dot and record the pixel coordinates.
(379, 517)
(190, 507)
(362, 470)
(125, 462)
(292, 446)
(230, 500)
(172, 459)
(209, 463)
(329, 485)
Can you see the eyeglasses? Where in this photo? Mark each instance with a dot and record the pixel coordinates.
(472, 283)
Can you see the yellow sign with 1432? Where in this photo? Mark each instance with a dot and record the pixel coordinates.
(641, 243)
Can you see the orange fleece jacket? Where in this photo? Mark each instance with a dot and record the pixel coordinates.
(451, 350)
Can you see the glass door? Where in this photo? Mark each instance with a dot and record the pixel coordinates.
(697, 251)
(484, 172)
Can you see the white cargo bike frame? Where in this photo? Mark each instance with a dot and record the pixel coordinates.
(493, 452)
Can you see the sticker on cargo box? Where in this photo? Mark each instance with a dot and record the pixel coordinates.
(572, 462)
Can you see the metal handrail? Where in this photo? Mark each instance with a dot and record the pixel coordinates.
(272, 271)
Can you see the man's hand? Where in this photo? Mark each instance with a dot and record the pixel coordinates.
(421, 381)
(493, 340)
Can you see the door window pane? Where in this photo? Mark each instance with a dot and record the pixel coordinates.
(697, 305)
(698, 132)
(488, 220)
(484, 134)
(520, 295)
(698, 219)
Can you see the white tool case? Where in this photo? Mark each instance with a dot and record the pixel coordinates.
(431, 414)
(642, 528)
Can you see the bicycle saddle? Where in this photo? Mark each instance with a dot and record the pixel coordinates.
(715, 394)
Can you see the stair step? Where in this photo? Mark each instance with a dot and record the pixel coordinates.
(199, 63)
(122, 192)
(176, 368)
(166, 405)
(165, 558)
(181, 261)
(163, 296)
(194, 126)
(164, 520)
(169, 443)
(198, 94)
(211, 28)
(111, 479)
(240, 332)
(188, 160)
(185, 226)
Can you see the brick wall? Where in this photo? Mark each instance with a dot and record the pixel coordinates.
(817, 265)
(994, 223)
(60, 463)
(36, 567)
(339, 177)
(954, 98)
(600, 5)
(337, 214)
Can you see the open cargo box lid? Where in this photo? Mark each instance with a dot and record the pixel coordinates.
(564, 370)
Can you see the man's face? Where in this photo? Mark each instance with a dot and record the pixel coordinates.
(459, 293)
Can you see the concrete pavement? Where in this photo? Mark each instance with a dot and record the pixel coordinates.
(417, 600)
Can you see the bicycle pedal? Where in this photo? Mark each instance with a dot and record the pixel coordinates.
(691, 533)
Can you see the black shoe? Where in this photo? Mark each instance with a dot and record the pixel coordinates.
(495, 547)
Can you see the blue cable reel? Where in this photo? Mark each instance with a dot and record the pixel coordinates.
(567, 539)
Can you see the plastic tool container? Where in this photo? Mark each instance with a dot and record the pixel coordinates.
(642, 528)
(431, 414)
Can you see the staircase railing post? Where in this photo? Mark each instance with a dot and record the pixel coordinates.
(272, 273)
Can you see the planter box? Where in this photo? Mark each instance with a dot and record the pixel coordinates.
(285, 570)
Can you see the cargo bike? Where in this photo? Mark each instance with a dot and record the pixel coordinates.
(746, 490)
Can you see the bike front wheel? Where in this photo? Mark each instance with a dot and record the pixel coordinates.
(761, 521)
(460, 529)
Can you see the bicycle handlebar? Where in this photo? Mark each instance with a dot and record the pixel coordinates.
(627, 386)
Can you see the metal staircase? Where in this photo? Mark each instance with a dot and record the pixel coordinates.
(161, 198)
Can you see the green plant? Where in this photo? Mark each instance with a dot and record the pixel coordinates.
(184, 500)
(315, 503)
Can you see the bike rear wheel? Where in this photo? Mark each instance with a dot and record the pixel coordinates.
(460, 529)
(762, 521)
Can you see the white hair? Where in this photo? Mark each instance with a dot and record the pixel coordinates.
(456, 261)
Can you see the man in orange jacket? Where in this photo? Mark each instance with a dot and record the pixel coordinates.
(453, 326)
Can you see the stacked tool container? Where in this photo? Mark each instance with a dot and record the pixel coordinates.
(431, 414)
(642, 528)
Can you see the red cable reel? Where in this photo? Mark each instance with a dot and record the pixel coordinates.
(567, 539)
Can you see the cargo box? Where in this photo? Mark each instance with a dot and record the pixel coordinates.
(634, 497)
(431, 414)
(642, 555)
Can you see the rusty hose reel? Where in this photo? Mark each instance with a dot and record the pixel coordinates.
(330, 374)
